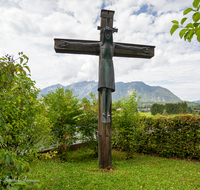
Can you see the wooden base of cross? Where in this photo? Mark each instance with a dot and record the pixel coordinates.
(104, 138)
(94, 48)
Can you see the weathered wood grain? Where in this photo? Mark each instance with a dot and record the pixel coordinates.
(77, 49)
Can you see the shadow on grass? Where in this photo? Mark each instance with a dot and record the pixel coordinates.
(81, 155)
(86, 155)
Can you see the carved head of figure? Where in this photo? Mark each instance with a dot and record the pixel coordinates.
(107, 34)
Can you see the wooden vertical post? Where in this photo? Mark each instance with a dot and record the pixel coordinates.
(104, 130)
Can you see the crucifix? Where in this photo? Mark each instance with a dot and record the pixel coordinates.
(105, 49)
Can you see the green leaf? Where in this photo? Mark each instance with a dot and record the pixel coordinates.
(175, 22)
(183, 20)
(198, 32)
(7, 128)
(21, 60)
(1, 140)
(27, 68)
(185, 36)
(198, 35)
(190, 25)
(198, 38)
(196, 25)
(7, 159)
(173, 29)
(188, 36)
(182, 32)
(14, 87)
(196, 3)
(196, 17)
(13, 188)
(186, 11)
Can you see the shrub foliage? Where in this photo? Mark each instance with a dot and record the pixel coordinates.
(62, 107)
(125, 124)
(23, 121)
(87, 122)
(177, 136)
(22, 116)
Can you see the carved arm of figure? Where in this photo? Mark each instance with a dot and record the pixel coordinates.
(66, 44)
(144, 49)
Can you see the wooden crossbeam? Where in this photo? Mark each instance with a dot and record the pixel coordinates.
(95, 50)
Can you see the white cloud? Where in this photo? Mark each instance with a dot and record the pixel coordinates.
(31, 26)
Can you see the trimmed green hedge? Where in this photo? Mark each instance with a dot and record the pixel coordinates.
(177, 136)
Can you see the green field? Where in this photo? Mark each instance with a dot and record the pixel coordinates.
(81, 171)
(146, 113)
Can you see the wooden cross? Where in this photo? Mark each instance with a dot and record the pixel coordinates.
(94, 48)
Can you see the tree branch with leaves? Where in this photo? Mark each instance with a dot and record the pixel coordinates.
(191, 29)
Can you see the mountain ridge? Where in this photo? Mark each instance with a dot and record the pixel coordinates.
(148, 93)
(197, 101)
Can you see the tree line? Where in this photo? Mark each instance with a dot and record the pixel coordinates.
(170, 108)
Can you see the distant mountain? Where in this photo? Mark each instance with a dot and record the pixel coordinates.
(148, 93)
(49, 88)
(198, 101)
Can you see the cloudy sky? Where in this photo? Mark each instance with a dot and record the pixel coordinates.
(31, 26)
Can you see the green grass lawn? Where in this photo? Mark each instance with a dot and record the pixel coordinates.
(145, 113)
(81, 171)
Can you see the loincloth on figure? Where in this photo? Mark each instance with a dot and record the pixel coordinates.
(106, 75)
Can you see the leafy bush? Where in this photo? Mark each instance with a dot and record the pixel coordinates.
(62, 108)
(11, 167)
(171, 136)
(48, 155)
(22, 117)
(125, 122)
(87, 122)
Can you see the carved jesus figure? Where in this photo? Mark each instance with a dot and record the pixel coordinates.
(106, 82)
